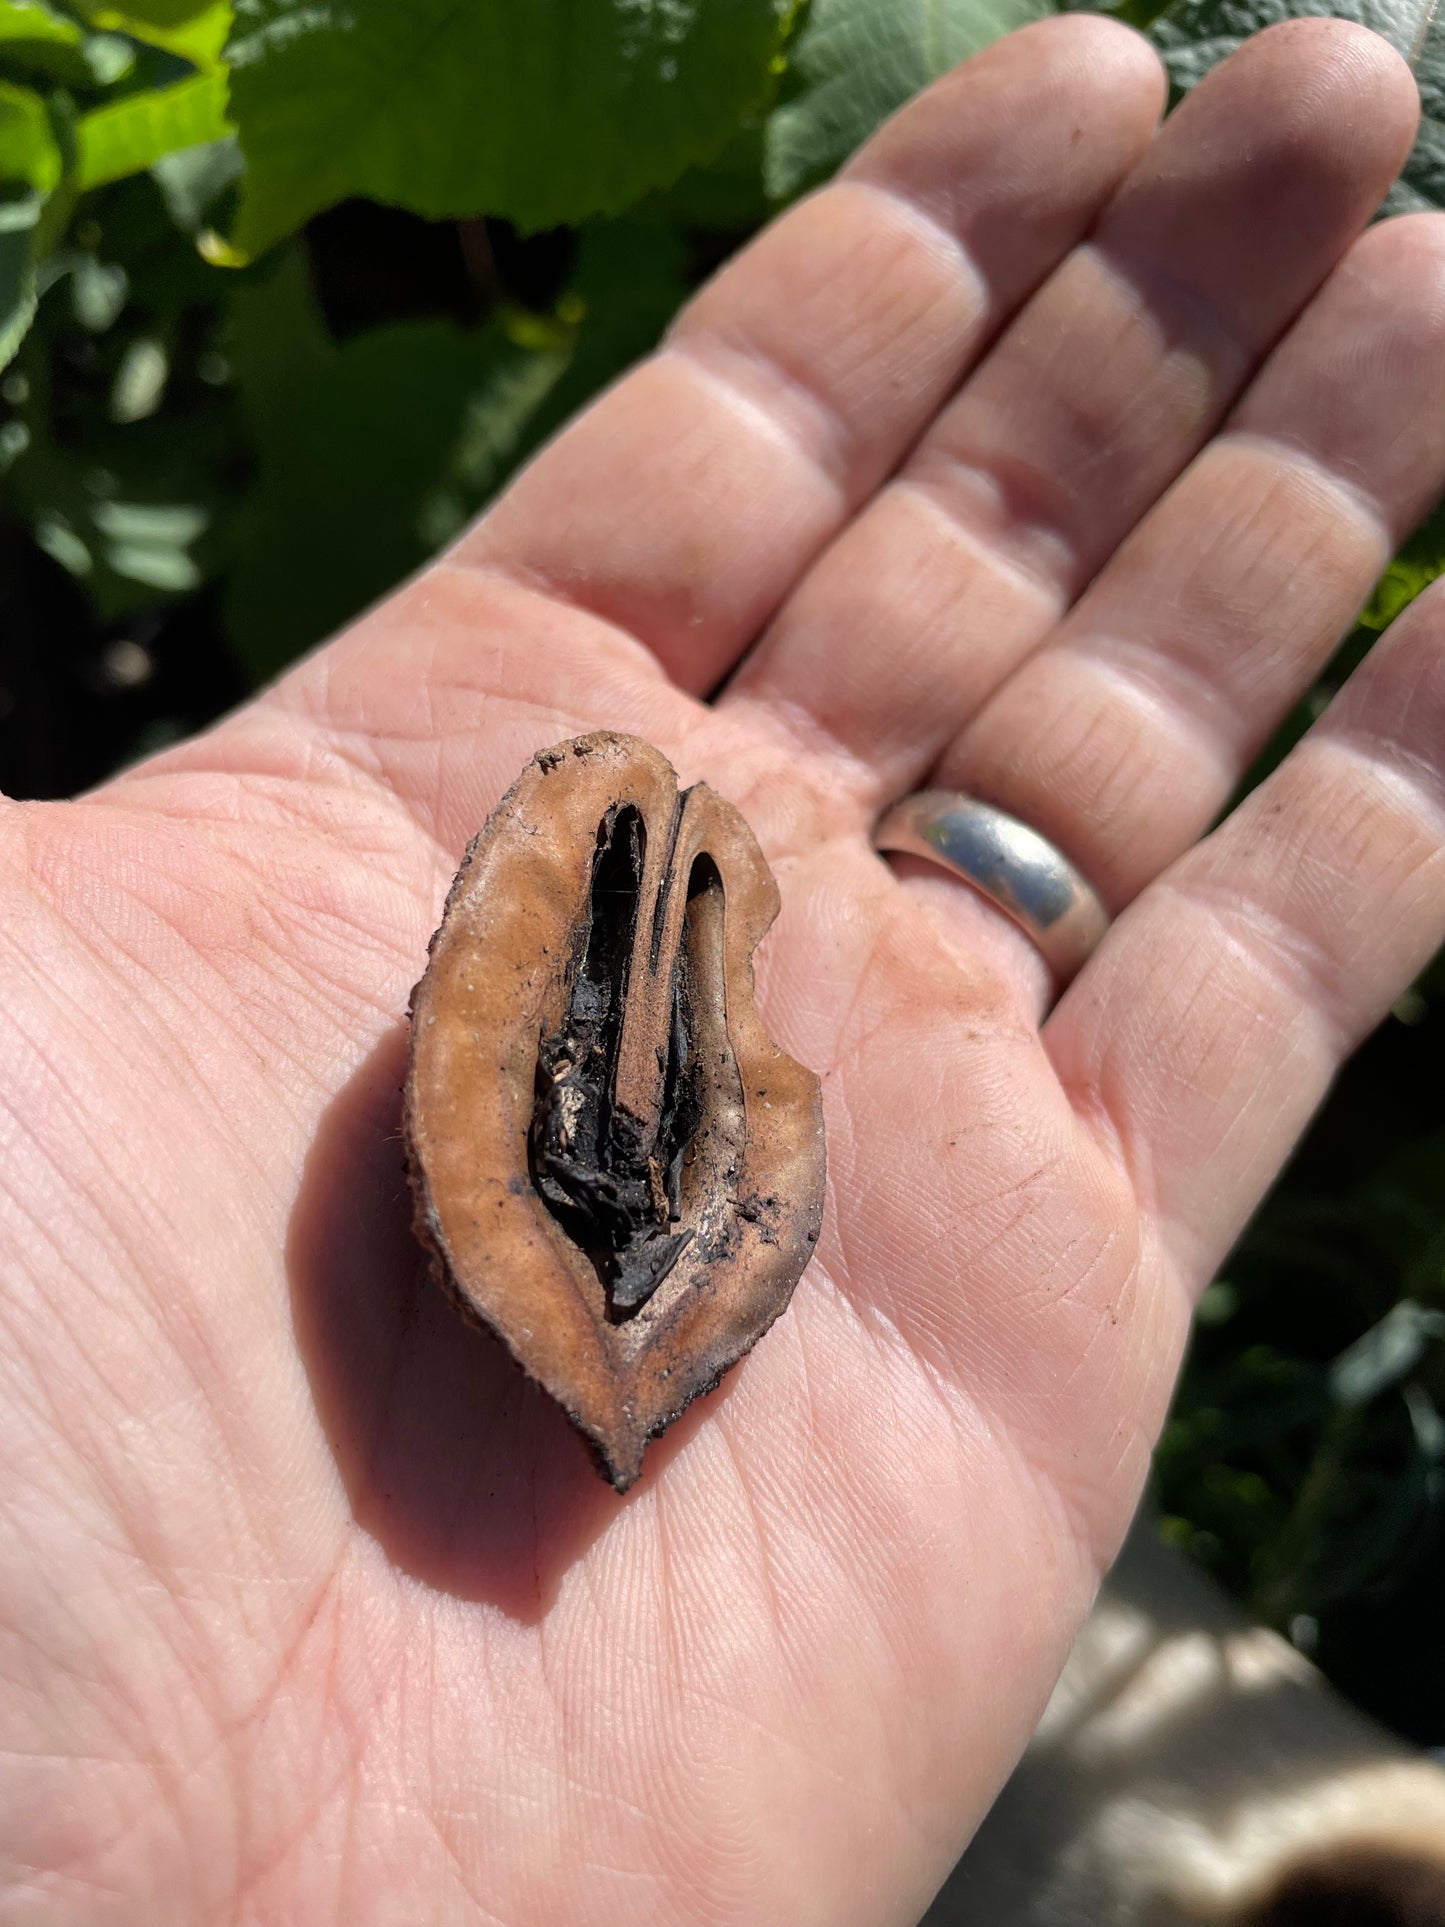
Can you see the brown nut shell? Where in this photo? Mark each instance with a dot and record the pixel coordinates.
(614, 1166)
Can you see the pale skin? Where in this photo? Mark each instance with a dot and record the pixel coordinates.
(1046, 454)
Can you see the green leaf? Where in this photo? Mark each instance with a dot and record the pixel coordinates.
(351, 444)
(36, 145)
(1420, 560)
(127, 136)
(30, 155)
(727, 192)
(372, 453)
(35, 40)
(18, 222)
(1194, 35)
(858, 60)
(156, 16)
(23, 21)
(1422, 184)
(1405, 576)
(196, 30)
(630, 281)
(147, 542)
(29, 151)
(133, 508)
(545, 111)
(155, 525)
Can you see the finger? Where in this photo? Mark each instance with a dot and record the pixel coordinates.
(1208, 1026)
(1093, 400)
(1123, 738)
(682, 506)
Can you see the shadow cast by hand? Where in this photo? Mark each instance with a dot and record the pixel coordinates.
(466, 1475)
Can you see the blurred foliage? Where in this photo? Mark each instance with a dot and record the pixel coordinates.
(1304, 1462)
(574, 108)
(286, 296)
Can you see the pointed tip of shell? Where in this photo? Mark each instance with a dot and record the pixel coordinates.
(621, 1473)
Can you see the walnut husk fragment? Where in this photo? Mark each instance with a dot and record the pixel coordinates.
(614, 1166)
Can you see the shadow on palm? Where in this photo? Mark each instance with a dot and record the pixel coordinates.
(467, 1476)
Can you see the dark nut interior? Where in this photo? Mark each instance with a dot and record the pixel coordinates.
(614, 1166)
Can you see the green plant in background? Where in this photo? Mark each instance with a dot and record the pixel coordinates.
(1304, 1461)
(286, 293)
(159, 162)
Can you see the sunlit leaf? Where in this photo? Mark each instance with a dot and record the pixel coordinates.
(727, 192)
(372, 453)
(196, 30)
(127, 136)
(39, 43)
(154, 525)
(1419, 562)
(29, 151)
(544, 113)
(23, 21)
(158, 566)
(352, 443)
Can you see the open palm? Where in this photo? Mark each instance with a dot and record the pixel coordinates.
(1045, 454)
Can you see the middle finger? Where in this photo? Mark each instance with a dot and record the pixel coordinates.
(1090, 404)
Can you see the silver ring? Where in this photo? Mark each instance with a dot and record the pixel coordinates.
(1007, 862)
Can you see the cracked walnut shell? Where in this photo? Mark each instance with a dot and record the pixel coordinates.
(614, 1166)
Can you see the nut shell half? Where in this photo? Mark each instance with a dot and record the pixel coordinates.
(613, 1165)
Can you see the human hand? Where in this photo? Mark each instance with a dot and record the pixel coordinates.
(311, 1609)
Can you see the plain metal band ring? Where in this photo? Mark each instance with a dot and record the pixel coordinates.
(1007, 862)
